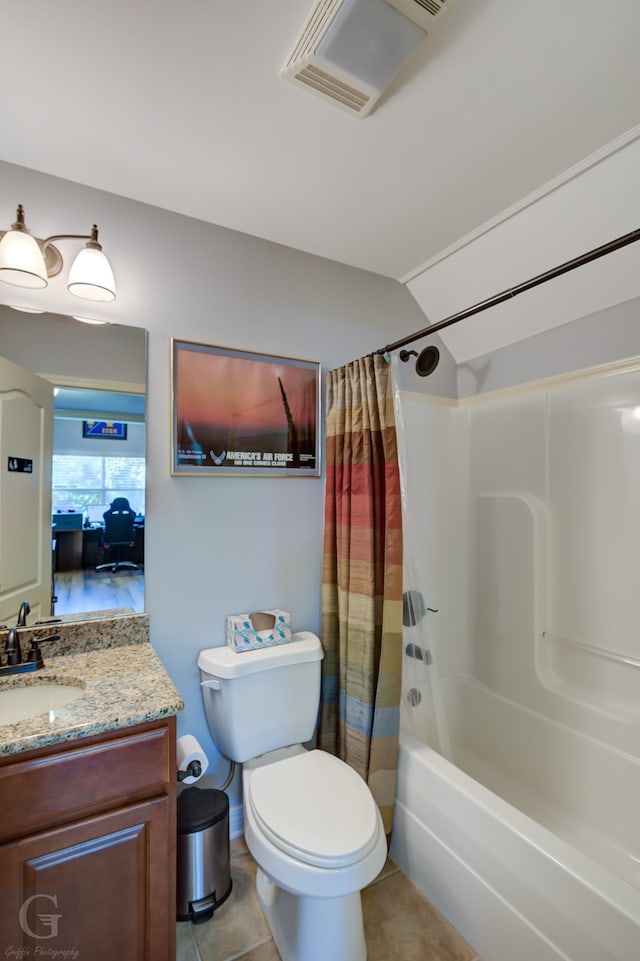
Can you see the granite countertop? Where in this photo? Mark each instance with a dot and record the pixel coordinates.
(124, 683)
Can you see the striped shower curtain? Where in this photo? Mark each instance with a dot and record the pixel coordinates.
(362, 578)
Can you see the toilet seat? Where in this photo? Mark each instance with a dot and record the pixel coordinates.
(315, 808)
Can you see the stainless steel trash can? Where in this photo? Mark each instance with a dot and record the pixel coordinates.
(203, 873)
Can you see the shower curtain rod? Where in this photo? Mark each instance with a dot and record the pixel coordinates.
(518, 289)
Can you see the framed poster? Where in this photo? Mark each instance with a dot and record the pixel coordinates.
(239, 412)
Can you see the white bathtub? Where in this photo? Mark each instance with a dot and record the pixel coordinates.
(534, 863)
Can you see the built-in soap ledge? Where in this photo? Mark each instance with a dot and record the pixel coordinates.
(603, 680)
(97, 631)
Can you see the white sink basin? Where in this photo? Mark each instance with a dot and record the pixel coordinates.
(20, 703)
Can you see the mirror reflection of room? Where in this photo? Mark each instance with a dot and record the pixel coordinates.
(98, 501)
(41, 351)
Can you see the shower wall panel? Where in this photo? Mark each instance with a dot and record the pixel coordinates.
(507, 485)
(554, 512)
(594, 494)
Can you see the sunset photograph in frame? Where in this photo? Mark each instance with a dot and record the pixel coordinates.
(241, 412)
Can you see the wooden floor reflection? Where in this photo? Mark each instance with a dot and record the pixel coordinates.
(88, 590)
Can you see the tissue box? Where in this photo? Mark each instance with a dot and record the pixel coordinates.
(248, 632)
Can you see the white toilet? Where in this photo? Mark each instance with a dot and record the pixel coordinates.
(310, 821)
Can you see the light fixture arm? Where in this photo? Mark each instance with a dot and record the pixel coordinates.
(54, 258)
(27, 261)
(92, 238)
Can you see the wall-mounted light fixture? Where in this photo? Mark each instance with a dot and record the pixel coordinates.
(26, 261)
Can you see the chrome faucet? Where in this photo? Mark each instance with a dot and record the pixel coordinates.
(22, 614)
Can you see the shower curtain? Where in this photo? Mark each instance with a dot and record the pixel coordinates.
(426, 486)
(362, 578)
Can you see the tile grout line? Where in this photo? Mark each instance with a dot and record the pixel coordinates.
(241, 954)
(382, 880)
(195, 943)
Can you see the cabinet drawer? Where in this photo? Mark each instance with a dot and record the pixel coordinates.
(85, 777)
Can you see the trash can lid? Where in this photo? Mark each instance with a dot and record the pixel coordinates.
(200, 808)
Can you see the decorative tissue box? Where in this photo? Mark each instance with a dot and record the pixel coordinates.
(248, 632)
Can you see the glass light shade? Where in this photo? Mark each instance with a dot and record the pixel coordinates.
(91, 276)
(89, 320)
(21, 261)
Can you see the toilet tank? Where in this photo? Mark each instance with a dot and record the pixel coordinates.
(258, 701)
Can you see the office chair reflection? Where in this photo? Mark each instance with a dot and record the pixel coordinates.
(118, 534)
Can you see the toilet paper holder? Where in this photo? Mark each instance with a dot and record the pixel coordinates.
(191, 759)
(193, 763)
(193, 769)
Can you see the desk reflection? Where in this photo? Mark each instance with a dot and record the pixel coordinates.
(80, 549)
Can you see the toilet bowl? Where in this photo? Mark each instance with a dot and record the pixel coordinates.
(310, 821)
(316, 847)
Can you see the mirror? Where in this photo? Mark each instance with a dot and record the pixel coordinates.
(79, 357)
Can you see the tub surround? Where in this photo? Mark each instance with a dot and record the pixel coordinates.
(523, 830)
(511, 887)
(125, 683)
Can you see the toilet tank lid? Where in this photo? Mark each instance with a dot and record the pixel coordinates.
(224, 662)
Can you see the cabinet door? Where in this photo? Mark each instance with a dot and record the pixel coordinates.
(98, 889)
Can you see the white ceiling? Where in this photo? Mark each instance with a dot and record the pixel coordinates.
(181, 105)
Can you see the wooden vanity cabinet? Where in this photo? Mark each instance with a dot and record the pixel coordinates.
(87, 847)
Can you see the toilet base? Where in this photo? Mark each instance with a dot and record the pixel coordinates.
(312, 929)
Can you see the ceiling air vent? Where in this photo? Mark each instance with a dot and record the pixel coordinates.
(349, 51)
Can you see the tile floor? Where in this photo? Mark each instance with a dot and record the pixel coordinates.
(400, 924)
